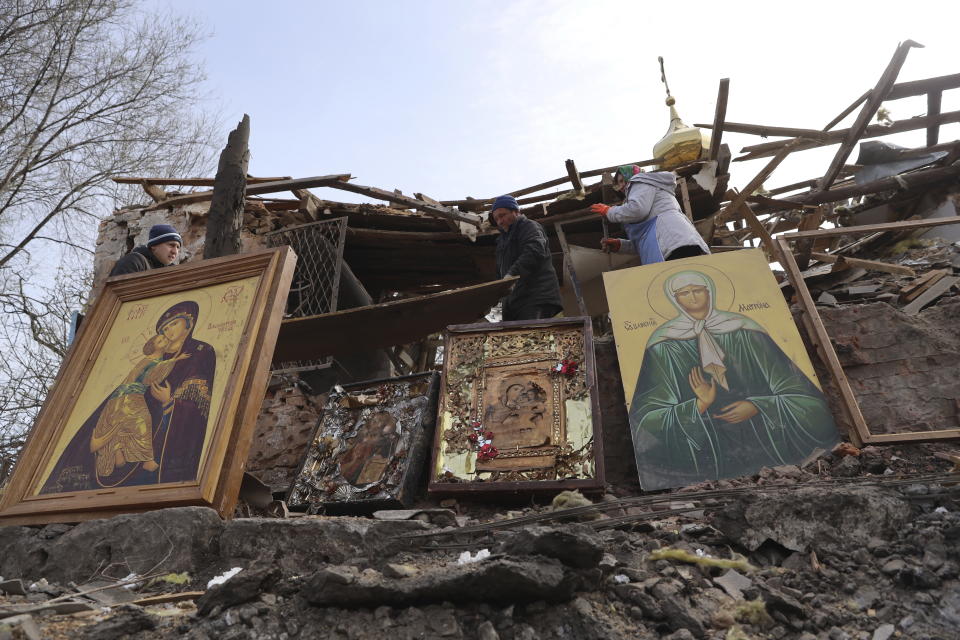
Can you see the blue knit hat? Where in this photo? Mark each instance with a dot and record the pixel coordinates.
(505, 202)
(160, 233)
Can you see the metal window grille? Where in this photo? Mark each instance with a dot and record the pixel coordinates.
(316, 278)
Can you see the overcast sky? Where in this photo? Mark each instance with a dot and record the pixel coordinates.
(457, 98)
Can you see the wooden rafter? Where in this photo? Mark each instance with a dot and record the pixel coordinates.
(877, 96)
(719, 117)
(766, 149)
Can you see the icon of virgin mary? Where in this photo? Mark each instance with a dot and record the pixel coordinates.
(151, 428)
(717, 397)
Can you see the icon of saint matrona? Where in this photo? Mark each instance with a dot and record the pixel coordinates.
(716, 396)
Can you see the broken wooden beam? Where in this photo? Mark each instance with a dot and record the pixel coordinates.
(934, 99)
(759, 230)
(256, 189)
(903, 90)
(546, 185)
(767, 131)
(902, 153)
(187, 182)
(685, 199)
(805, 184)
(920, 87)
(900, 182)
(913, 290)
(817, 333)
(771, 205)
(157, 194)
(575, 178)
(903, 225)
(935, 291)
(767, 149)
(804, 248)
(719, 118)
(843, 114)
(413, 203)
(877, 96)
(740, 199)
(569, 268)
(870, 265)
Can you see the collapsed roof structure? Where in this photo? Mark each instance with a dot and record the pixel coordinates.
(377, 283)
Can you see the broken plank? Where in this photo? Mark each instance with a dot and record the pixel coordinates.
(550, 183)
(900, 182)
(571, 271)
(873, 102)
(419, 205)
(911, 291)
(685, 199)
(575, 179)
(767, 131)
(904, 225)
(920, 87)
(931, 294)
(809, 221)
(164, 598)
(187, 182)
(719, 117)
(806, 184)
(385, 325)
(818, 335)
(740, 199)
(767, 149)
(870, 265)
(759, 230)
(843, 114)
(772, 204)
(156, 193)
(257, 189)
(934, 99)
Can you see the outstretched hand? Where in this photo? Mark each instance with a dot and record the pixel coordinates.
(706, 392)
(738, 411)
(599, 208)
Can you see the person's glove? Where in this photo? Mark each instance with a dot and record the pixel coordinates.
(610, 245)
(599, 208)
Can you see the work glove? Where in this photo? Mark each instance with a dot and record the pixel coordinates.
(599, 208)
(610, 245)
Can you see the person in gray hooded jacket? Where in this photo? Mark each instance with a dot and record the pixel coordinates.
(657, 229)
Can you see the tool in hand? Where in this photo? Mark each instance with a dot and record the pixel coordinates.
(606, 234)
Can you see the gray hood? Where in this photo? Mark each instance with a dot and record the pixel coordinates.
(665, 180)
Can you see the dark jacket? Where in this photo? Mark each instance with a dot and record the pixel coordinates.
(523, 251)
(140, 259)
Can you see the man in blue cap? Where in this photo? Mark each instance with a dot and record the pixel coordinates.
(522, 250)
(161, 250)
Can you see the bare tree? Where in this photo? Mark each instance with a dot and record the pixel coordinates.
(34, 326)
(89, 89)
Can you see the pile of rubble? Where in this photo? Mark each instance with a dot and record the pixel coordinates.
(858, 544)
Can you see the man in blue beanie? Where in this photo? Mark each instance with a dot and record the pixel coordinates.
(161, 250)
(522, 250)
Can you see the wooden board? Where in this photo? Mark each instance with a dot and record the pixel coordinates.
(941, 287)
(386, 324)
